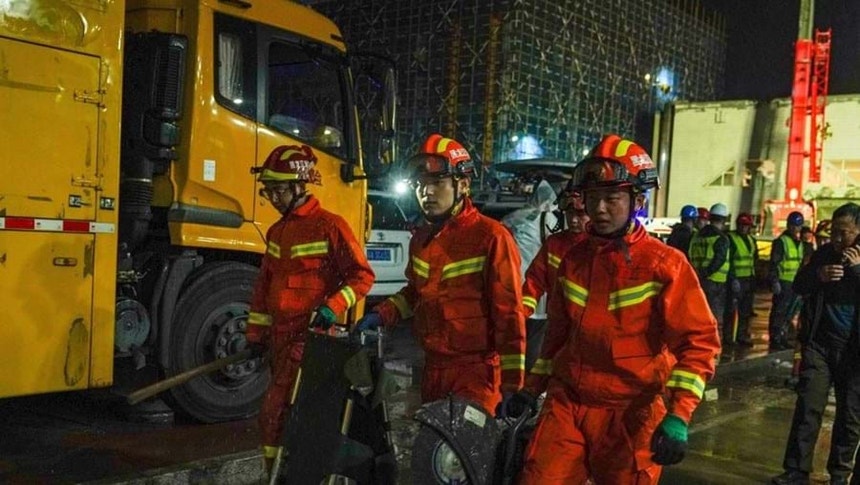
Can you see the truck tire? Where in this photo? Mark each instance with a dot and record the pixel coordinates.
(209, 324)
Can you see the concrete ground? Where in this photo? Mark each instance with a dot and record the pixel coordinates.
(737, 436)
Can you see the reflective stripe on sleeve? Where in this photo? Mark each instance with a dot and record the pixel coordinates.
(421, 268)
(273, 249)
(574, 292)
(348, 295)
(686, 380)
(402, 305)
(529, 302)
(553, 260)
(513, 362)
(542, 367)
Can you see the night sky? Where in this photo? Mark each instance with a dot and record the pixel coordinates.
(761, 35)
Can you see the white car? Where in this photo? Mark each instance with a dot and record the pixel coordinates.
(388, 247)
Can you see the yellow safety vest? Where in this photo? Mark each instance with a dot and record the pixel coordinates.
(791, 259)
(743, 260)
(701, 255)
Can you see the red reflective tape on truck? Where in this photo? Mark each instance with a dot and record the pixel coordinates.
(55, 225)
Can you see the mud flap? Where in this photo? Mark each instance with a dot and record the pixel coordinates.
(469, 431)
(332, 428)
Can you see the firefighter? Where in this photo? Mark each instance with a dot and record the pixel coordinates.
(541, 273)
(313, 266)
(684, 230)
(703, 218)
(786, 256)
(744, 254)
(628, 324)
(463, 286)
(709, 254)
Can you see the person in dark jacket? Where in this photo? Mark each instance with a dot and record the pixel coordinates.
(684, 230)
(830, 354)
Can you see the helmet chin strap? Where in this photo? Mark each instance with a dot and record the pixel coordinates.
(455, 208)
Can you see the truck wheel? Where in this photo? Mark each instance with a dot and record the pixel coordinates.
(209, 324)
(434, 462)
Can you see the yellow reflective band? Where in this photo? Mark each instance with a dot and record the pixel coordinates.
(553, 260)
(622, 147)
(402, 305)
(542, 367)
(514, 362)
(529, 302)
(274, 249)
(309, 249)
(689, 381)
(273, 175)
(798, 355)
(464, 267)
(442, 144)
(574, 292)
(271, 451)
(633, 296)
(348, 295)
(421, 268)
(262, 319)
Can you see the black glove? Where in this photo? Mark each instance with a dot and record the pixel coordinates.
(513, 405)
(324, 318)
(257, 349)
(669, 442)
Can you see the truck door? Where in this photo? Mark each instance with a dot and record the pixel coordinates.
(50, 156)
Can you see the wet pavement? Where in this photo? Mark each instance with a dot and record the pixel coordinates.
(737, 436)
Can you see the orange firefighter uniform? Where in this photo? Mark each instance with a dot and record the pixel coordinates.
(464, 292)
(541, 274)
(628, 324)
(312, 259)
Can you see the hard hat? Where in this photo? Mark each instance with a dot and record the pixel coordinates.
(794, 219)
(703, 213)
(290, 163)
(744, 219)
(441, 157)
(719, 209)
(615, 162)
(823, 229)
(689, 212)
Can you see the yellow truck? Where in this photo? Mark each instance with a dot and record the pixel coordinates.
(131, 225)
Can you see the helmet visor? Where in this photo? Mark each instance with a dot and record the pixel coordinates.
(425, 164)
(599, 172)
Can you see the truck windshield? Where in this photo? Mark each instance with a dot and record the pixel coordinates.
(306, 97)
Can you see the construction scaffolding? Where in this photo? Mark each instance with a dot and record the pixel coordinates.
(517, 79)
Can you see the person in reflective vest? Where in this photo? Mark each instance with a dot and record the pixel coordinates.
(709, 253)
(463, 286)
(313, 266)
(743, 255)
(786, 256)
(628, 324)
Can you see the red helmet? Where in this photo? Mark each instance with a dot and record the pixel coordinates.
(704, 213)
(441, 157)
(615, 162)
(744, 219)
(291, 163)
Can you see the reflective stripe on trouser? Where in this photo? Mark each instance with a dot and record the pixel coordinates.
(286, 359)
(782, 310)
(574, 442)
(478, 382)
